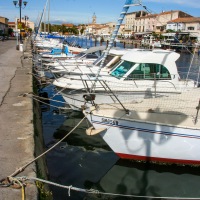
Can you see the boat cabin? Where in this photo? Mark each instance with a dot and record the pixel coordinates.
(148, 65)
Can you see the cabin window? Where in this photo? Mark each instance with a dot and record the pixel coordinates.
(191, 28)
(108, 59)
(149, 71)
(122, 69)
(90, 56)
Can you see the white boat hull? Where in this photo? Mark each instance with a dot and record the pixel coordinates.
(150, 141)
(76, 100)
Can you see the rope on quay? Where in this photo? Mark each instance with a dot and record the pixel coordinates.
(23, 180)
(26, 165)
(36, 98)
(50, 104)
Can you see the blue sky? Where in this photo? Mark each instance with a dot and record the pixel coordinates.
(81, 11)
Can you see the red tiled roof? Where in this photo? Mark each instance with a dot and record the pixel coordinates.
(186, 19)
(68, 25)
(168, 12)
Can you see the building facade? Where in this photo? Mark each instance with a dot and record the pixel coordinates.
(190, 25)
(28, 24)
(133, 25)
(142, 22)
(3, 25)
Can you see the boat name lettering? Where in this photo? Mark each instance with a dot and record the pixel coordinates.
(110, 121)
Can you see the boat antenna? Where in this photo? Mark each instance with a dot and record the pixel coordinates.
(126, 6)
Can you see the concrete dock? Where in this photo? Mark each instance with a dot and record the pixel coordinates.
(16, 119)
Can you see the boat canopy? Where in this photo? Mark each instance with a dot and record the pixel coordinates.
(147, 56)
(94, 49)
(161, 61)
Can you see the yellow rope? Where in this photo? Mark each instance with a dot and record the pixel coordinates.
(14, 180)
(23, 193)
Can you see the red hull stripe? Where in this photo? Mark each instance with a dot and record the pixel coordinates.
(159, 160)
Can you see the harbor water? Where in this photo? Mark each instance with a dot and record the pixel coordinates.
(87, 162)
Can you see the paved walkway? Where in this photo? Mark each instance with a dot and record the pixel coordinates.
(16, 119)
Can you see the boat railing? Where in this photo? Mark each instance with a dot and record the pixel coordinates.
(156, 83)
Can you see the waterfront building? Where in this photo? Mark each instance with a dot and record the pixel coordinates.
(104, 30)
(190, 25)
(26, 25)
(163, 18)
(3, 25)
(11, 25)
(131, 23)
(141, 22)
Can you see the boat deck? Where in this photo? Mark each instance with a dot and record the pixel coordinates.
(176, 109)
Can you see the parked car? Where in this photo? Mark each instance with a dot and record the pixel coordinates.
(2, 38)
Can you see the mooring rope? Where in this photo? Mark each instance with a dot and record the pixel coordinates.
(26, 165)
(94, 191)
(47, 103)
(37, 98)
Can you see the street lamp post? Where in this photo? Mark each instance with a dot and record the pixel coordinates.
(18, 4)
(25, 18)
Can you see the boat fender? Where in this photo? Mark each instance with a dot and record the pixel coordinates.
(93, 131)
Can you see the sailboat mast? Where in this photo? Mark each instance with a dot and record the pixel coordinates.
(48, 15)
(38, 28)
(125, 9)
(45, 15)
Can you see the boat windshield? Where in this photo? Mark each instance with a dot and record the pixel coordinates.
(87, 56)
(107, 60)
(122, 69)
(149, 71)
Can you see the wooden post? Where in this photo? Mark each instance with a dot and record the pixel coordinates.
(107, 43)
(101, 42)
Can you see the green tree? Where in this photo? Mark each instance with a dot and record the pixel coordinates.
(63, 29)
(10, 31)
(82, 30)
(170, 31)
(30, 30)
(155, 35)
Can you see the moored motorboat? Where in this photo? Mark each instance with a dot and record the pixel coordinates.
(163, 130)
(140, 74)
(86, 57)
